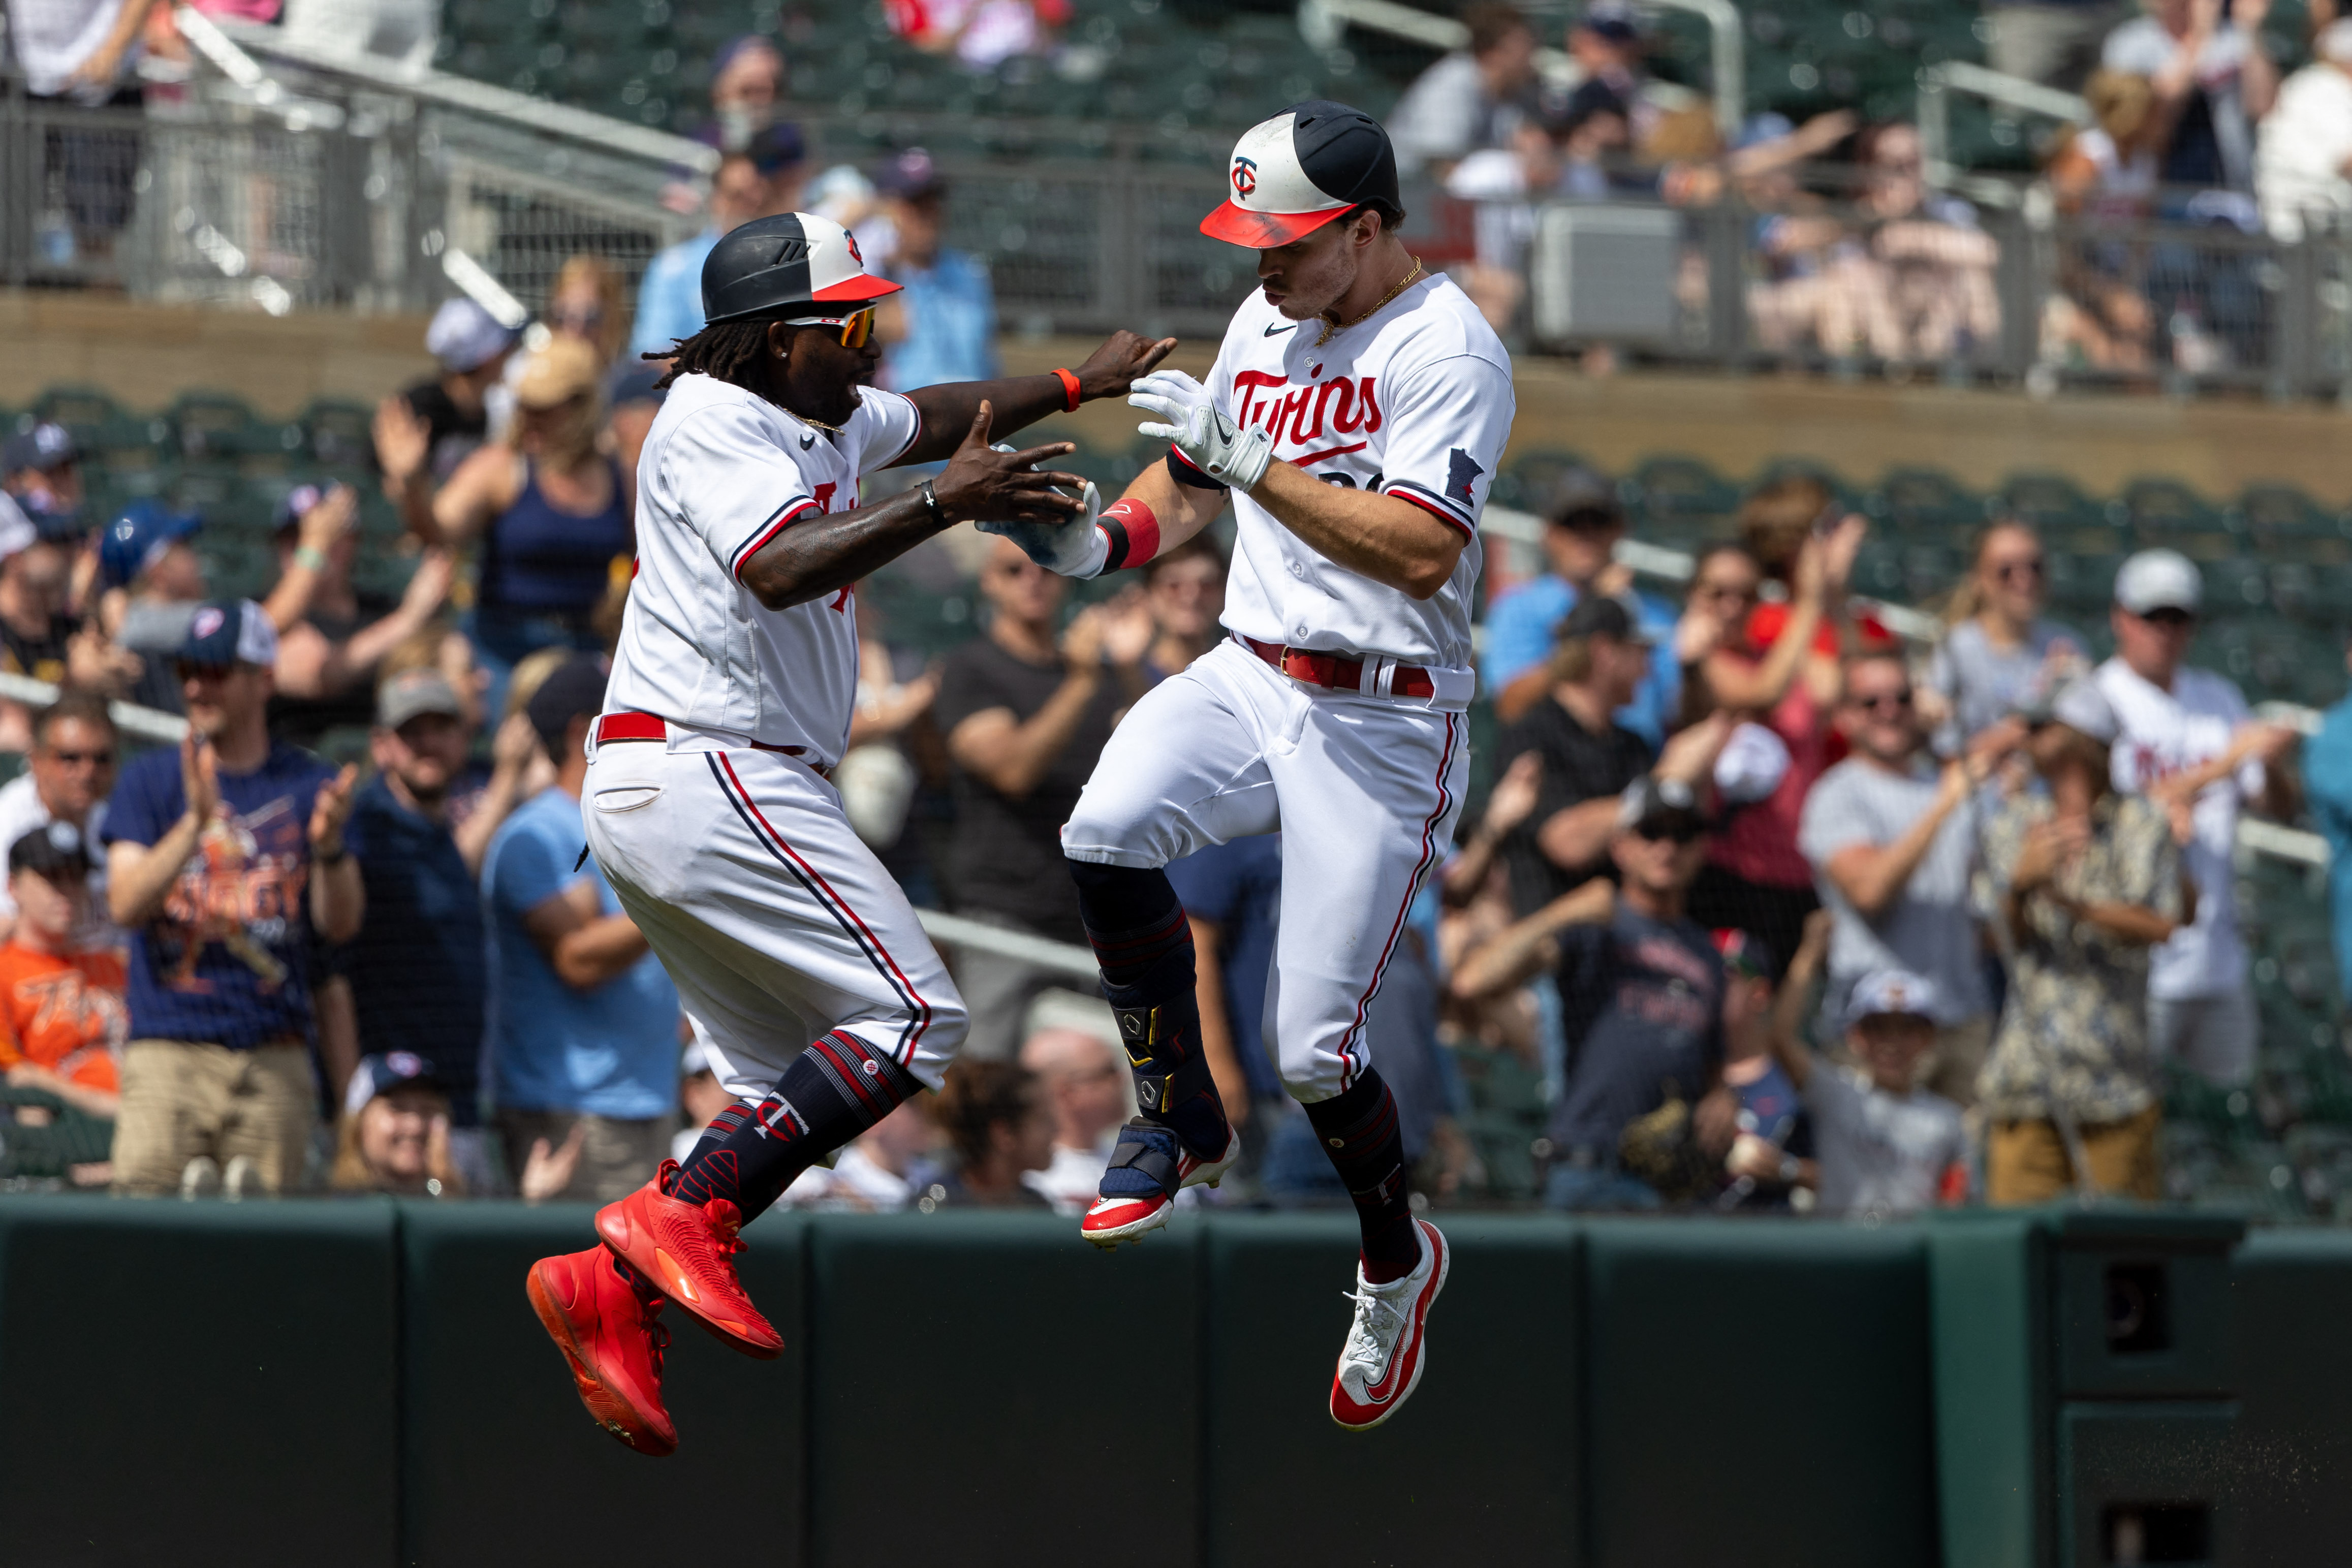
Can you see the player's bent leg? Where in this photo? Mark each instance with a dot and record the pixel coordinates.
(612, 1339)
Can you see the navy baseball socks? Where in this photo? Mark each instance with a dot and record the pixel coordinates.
(1358, 1129)
(1144, 944)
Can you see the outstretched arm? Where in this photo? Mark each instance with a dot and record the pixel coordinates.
(1021, 401)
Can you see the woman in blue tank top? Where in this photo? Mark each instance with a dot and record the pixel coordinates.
(551, 514)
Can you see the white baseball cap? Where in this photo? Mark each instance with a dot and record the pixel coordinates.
(1750, 766)
(1891, 991)
(2159, 580)
(464, 337)
(1291, 175)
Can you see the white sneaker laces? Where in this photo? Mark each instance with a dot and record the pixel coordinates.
(1371, 1338)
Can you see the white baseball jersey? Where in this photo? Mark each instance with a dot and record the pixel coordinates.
(724, 472)
(1416, 403)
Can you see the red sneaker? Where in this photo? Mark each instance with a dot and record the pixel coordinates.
(688, 1250)
(1387, 1345)
(613, 1341)
(1148, 1168)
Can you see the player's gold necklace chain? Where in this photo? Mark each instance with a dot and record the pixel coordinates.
(1330, 326)
(818, 423)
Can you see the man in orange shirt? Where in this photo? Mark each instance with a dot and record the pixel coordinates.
(62, 1014)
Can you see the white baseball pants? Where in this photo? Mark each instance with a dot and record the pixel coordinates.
(1365, 790)
(776, 922)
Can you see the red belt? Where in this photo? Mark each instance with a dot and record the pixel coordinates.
(1338, 672)
(632, 726)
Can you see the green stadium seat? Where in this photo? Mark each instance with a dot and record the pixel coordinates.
(2235, 585)
(1682, 488)
(1528, 479)
(1924, 502)
(339, 434)
(2050, 502)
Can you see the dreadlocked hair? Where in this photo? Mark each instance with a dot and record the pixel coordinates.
(723, 353)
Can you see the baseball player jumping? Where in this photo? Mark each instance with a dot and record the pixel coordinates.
(707, 805)
(1357, 411)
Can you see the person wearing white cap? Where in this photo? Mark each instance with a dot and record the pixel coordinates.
(2083, 882)
(2185, 738)
(2303, 149)
(1883, 1146)
(429, 428)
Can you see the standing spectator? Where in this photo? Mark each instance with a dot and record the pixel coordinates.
(1586, 758)
(552, 512)
(1999, 654)
(1887, 1146)
(746, 92)
(1473, 98)
(2087, 881)
(1582, 523)
(444, 419)
(71, 773)
(762, 177)
(395, 1131)
(2185, 738)
(997, 1122)
(78, 55)
(211, 851)
(2054, 42)
(2212, 83)
(1891, 841)
(40, 470)
(327, 659)
(36, 634)
(419, 970)
(585, 302)
(2303, 152)
(2328, 779)
(1026, 714)
(583, 1021)
(1085, 1082)
(942, 325)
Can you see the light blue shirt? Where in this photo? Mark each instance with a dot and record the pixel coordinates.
(609, 1051)
(2328, 785)
(1520, 637)
(669, 299)
(950, 325)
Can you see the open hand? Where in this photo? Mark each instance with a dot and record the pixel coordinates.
(403, 440)
(331, 810)
(981, 482)
(1513, 799)
(548, 1171)
(1111, 369)
(329, 520)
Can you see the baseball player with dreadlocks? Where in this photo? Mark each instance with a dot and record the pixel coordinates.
(1354, 413)
(821, 1003)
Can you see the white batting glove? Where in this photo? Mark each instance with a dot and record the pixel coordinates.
(1074, 549)
(1209, 440)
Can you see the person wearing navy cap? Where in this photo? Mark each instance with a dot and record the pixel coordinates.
(943, 326)
(219, 852)
(761, 178)
(40, 470)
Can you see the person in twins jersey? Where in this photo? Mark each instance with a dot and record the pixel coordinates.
(708, 800)
(1356, 412)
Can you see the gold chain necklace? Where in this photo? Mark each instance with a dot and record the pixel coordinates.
(818, 423)
(1330, 326)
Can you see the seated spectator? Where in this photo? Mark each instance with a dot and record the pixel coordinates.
(40, 473)
(327, 658)
(2000, 654)
(585, 301)
(1771, 1159)
(2303, 152)
(69, 776)
(550, 511)
(1025, 713)
(746, 92)
(1607, 46)
(152, 579)
(212, 849)
(1000, 1129)
(1886, 1146)
(761, 178)
(1928, 294)
(63, 1021)
(582, 1023)
(1891, 840)
(1184, 590)
(2185, 739)
(2212, 81)
(2087, 882)
(418, 970)
(444, 419)
(875, 1172)
(981, 34)
(2106, 172)
(1584, 756)
(395, 1136)
(1473, 98)
(1582, 523)
(942, 325)
(1085, 1084)
(36, 632)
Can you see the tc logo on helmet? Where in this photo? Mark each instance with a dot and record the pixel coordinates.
(1245, 176)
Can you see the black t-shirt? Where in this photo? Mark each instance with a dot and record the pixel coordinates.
(303, 721)
(452, 434)
(1006, 854)
(43, 658)
(1641, 1007)
(1579, 765)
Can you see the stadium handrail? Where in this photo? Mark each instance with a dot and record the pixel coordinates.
(1937, 82)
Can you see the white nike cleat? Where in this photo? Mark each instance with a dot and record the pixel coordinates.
(1382, 1365)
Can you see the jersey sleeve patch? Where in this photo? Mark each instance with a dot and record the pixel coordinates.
(791, 512)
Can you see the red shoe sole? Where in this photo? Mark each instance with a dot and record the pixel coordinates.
(605, 1403)
(647, 1259)
(1419, 1350)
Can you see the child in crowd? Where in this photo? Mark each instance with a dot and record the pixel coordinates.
(1771, 1161)
(62, 1016)
(1883, 1145)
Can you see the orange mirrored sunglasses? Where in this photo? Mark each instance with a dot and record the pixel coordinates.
(856, 328)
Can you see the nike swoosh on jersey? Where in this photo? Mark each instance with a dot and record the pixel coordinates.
(808, 439)
(1277, 331)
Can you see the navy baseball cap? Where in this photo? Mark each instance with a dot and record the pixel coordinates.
(389, 1070)
(909, 176)
(226, 632)
(573, 689)
(1291, 175)
(138, 537)
(57, 851)
(41, 448)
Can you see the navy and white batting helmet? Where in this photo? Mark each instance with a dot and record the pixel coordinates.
(791, 264)
(1291, 175)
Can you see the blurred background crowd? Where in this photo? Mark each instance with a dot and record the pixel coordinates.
(1849, 850)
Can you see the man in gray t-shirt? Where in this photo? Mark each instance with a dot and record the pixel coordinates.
(1892, 842)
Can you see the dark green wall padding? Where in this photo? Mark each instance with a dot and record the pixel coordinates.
(362, 1384)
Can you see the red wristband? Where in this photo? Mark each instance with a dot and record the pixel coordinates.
(1133, 532)
(1070, 392)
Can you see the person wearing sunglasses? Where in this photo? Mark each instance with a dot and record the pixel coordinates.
(2185, 738)
(708, 799)
(75, 752)
(1999, 651)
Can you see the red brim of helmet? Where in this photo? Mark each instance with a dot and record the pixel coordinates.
(865, 285)
(1263, 231)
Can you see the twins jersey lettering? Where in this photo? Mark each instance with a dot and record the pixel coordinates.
(1415, 404)
(722, 474)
